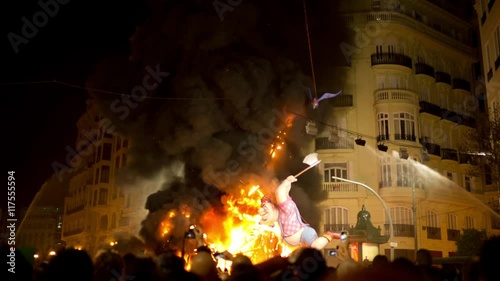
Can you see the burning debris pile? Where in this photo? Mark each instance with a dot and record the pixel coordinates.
(228, 112)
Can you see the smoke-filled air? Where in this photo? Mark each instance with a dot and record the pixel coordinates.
(224, 125)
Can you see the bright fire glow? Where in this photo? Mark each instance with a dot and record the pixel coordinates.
(237, 231)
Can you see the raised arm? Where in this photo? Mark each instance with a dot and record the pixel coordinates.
(284, 189)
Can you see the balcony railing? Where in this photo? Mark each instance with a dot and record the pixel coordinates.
(443, 77)
(401, 230)
(433, 233)
(407, 137)
(453, 234)
(427, 107)
(464, 158)
(384, 184)
(391, 58)
(336, 227)
(449, 154)
(461, 84)
(422, 68)
(396, 96)
(383, 137)
(343, 143)
(341, 101)
(339, 187)
(432, 148)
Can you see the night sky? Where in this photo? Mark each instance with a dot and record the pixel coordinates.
(40, 119)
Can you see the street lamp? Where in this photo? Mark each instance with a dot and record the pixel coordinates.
(391, 227)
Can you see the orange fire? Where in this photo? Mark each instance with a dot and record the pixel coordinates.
(238, 230)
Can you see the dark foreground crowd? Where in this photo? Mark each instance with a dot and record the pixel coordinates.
(303, 264)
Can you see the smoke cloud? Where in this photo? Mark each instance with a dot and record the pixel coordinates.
(208, 127)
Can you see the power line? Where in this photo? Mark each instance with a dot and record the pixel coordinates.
(103, 91)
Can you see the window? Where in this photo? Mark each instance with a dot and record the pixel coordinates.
(432, 219)
(401, 215)
(386, 178)
(104, 222)
(94, 202)
(104, 174)
(117, 164)
(383, 126)
(125, 142)
(337, 218)
(96, 177)
(467, 183)
(406, 174)
(496, 36)
(404, 126)
(380, 82)
(450, 176)
(99, 153)
(469, 222)
(106, 151)
(113, 221)
(452, 222)
(103, 196)
(118, 143)
(124, 160)
(488, 57)
(335, 169)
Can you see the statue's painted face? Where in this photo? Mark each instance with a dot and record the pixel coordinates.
(268, 212)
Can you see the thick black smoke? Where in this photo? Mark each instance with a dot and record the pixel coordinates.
(232, 85)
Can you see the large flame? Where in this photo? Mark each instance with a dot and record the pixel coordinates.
(238, 231)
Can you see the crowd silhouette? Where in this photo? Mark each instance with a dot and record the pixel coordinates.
(302, 264)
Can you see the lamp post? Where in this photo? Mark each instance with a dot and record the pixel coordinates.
(391, 226)
(414, 219)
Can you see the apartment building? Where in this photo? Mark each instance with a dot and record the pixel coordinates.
(408, 102)
(97, 211)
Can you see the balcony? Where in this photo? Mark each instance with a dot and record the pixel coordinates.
(401, 230)
(427, 107)
(339, 187)
(443, 77)
(432, 148)
(407, 137)
(461, 84)
(341, 101)
(343, 143)
(382, 137)
(422, 68)
(336, 227)
(434, 233)
(391, 58)
(449, 154)
(384, 96)
(453, 234)
(464, 158)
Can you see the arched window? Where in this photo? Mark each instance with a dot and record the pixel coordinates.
(404, 126)
(469, 222)
(402, 220)
(385, 172)
(452, 231)
(433, 227)
(383, 126)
